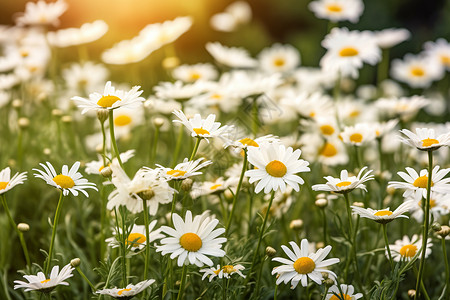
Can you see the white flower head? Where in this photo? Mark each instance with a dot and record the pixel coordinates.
(95, 167)
(231, 56)
(7, 183)
(279, 58)
(358, 135)
(202, 128)
(406, 249)
(383, 216)
(129, 291)
(302, 265)
(390, 37)
(42, 284)
(347, 290)
(418, 71)
(67, 181)
(337, 10)
(42, 13)
(235, 14)
(87, 33)
(192, 73)
(137, 236)
(222, 272)
(185, 169)
(345, 183)
(440, 51)
(425, 139)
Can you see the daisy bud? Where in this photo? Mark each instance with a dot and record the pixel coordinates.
(358, 204)
(347, 84)
(270, 252)
(412, 293)
(148, 104)
(147, 194)
(102, 115)
(66, 119)
(186, 184)
(57, 113)
(324, 275)
(23, 123)
(99, 149)
(158, 122)
(296, 224)
(17, 103)
(76, 262)
(106, 172)
(321, 203)
(171, 62)
(228, 194)
(12, 163)
(23, 227)
(329, 282)
(390, 190)
(47, 151)
(436, 226)
(445, 230)
(320, 245)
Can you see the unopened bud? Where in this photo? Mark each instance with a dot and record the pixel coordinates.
(102, 115)
(186, 184)
(149, 104)
(57, 112)
(412, 293)
(228, 194)
(270, 252)
(106, 172)
(325, 275)
(296, 224)
(23, 227)
(390, 190)
(99, 149)
(66, 119)
(76, 262)
(171, 62)
(158, 122)
(358, 204)
(321, 203)
(329, 282)
(47, 151)
(445, 230)
(436, 226)
(147, 194)
(17, 103)
(23, 123)
(320, 245)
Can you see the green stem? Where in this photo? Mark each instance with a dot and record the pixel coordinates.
(236, 194)
(176, 153)
(55, 225)
(86, 279)
(147, 236)
(224, 288)
(113, 138)
(19, 148)
(124, 246)
(447, 273)
(383, 67)
(426, 221)
(258, 280)
(154, 146)
(255, 117)
(357, 157)
(183, 282)
(349, 214)
(197, 143)
(326, 291)
(386, 241)
(276, 292)
(324, 226)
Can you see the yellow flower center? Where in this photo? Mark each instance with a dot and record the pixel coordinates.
(135, 239)
(248, 142)
(3, 185)
(348, 51)
(345, 297)
(421, 182)
(304, 265)
(408, 250)
(124, 290)
(312, 114)
(382, 213)
(377, 132)
(45, 281)
(417, 71)
(191, 242)
(432, 203)
(216, 271)
(334, 8)
(343, 183)
(200, 131)
(176, 173)
(328, 150)
(228, 269)
(327, 129)
(279, 62)
(64, 181)
(122, 120)
(215, 186)
(108, 101)
(428, 142)
(445, 60)
(354, 113)
(216, 96)
(195, 76)
(276, 168)
(356, 138)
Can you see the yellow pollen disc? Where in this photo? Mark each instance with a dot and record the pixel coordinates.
(195, 76)
(216, 96)
(122, 120)
(417, 71)
(312, 114)
(421, 182)
(45, 281)
(328, 150)
(135, 239)
(276, 168)
(429, 142)
(348, 52)
(191, 242)
(200, 131)
(279, 62)
(176, 173)
(64, 181)
(3, 185)
(345, 297)
(334, 8)
(408, 251)
(432, 203)
(249, 142)
(24, 53)
(124, 290)
(382, 213)
(356, 138)
(216, 271)
(228, 269)
(215, 186)
(445, 60)
(354, 113)
(304, 265)
(327, 129)
(377, 132)
(108, 101)
(343, 183)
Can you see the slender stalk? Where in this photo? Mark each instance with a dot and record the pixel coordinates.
(183, 282)
(224, 288)
(258, 280)
(197, 143)
(236, 194)
(155, 144)
(357, 156)
(255, 117)
(386, 241)
(147, 237)
(447, 272)
(113, 138)
(326, 292)
(176, 153)
(85, 278)
(103, 210)
(19, 148)
(324, 226)
(124, 248)
(383, 67)
(426, 223)
(276, 292)
(349, 214)
(55, 225)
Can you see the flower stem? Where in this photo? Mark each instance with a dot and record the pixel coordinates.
(447, 272)
(113, 139)
(183, 282)
(197, 143)
(176, 153)
(55, 225)
(255, 117)
(349, 214)
(324, 226)
(426, 221)
(86, 279)
(147, 236)
(155, 144)
(386, 241)
(383, 68)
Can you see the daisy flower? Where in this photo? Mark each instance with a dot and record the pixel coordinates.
(302, 264)
(358, 135)
(160, 34)
(439, 206)
(231, 56)
(337, 10)
(416, 184)
(202, 128)
(330, 152)
(390, 37)
(87, 33)
(128, 51)
(129, 291)
(406, 249)
(222, 272)
(180, 91)
(192, 240)
(209, 187)
(279, 58)
(42, 284)
(185, 169)
(42, 13)
(86, 77)
(137, 236)
(417, 71)
(440, 51)
(275, 166)
(191, 73)
(404, 107)
(110, 99)
(67, 181)
(235, 14)
(383, 216)
(7, 183)
(425, 139)
(347, 291)
(126, 119)
(345, 183)
(95, 166)
(245, 142)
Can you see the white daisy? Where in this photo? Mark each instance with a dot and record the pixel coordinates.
(209, 187)
(383, 216)
(330, 152)
(416, 184)
(42, 284)
(128, 51)
(191, 73)
(417, 71)
(7, 183)
(404, 107)
(440, 51)
(137, 236)
(235, 14)
(222, 272)
(192, 240)
(425, 139)
(275, 166)
(184, 170)
(87, 33)
(179, 91)
(86, 77)
(160, 34)
(110, 99)
(67, 181)
(390, 37)
(406, 249)
(126, 119)
(360, 134)
(439, 206)
(231, 56)
(245, 142)
(202, 128)
(279, 58)
(42, 13)
(129, 291)
(302, 264)
(337, 10)
(345, 183)
(347, 291)
(94, 167)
